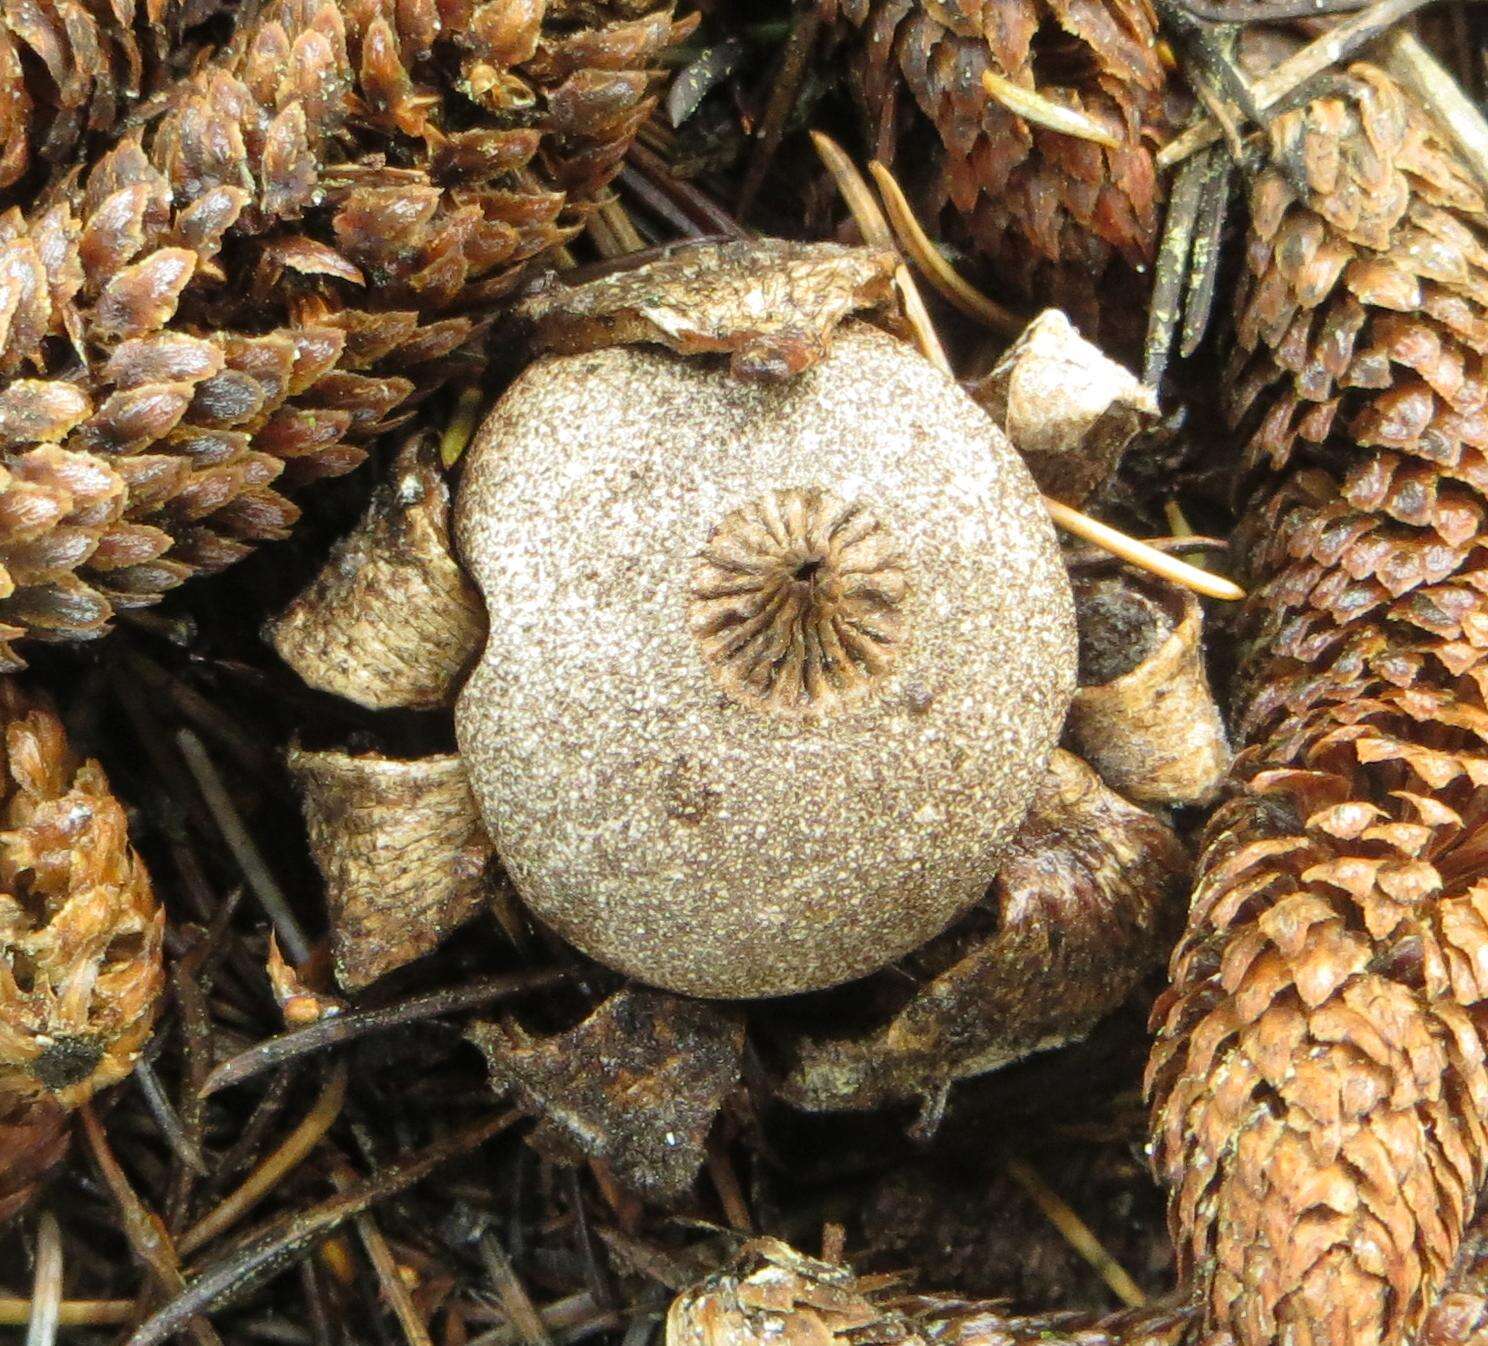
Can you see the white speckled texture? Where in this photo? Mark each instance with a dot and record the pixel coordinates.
(677, 834)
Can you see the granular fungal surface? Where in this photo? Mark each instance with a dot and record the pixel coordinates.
(648, 799)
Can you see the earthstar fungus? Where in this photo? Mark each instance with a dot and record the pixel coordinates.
(775, 662)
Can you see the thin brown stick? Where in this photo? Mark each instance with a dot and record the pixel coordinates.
(805, 28)
(240, 1154)
(343, 1028)
(250, 860)
(268, 1175)
(712, 217)
(658, 203)
(514, 1297)
(283, 1242)
(142, 1228)
(623, 227)
(730, 1194)
(202, 712)
(415, 1330)
(570, 1316)
(1216, 107)
(166, 1117)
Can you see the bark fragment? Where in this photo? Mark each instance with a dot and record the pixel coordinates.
(1144, 715)
(391, 620)
(1086, 901)
(402, 850)
(637, 1084)
(770, 305)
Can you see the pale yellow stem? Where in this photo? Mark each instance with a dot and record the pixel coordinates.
(16, 1312)
(1140, 554)
(1033, 106)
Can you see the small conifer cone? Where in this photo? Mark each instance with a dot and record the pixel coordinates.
(1050, 211)
(1318, 1080)
(241, 294)
(81, 970)
(80, 930)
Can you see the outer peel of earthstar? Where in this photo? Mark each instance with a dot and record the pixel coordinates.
(773, 670)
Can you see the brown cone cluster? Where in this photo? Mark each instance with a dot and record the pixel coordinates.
(81, 970)
(1048, 210)
(236, 298)
(1318, 1081)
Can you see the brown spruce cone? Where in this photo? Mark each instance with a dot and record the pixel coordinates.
(261, 280)
(1318, 1081)
(72, 68)
(771, 1294)
(80, 930)
(1048, 210)
(81, 969)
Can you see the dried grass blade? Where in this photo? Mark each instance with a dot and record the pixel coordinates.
(1076, 1233)
(875, 228)
(917, 245)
